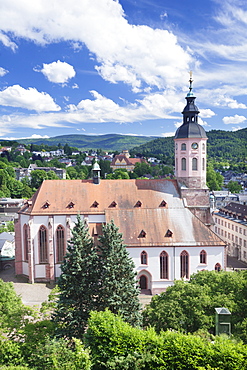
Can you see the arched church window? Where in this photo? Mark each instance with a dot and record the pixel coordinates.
(203, 146)
(194, 164)
(144, 258)
(183, 164)
(217, 267)
(25, 240)
(60, 243)
(183, 146)
(43, 252)
(203, 164)
(163, 265)
(184, 265)
(203, 256)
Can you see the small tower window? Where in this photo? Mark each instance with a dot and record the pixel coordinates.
(203, 164)
(203, 147)
(183, 146)
(194, 164)
(144, 258)
(183, 163)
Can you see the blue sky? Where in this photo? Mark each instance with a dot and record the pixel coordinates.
(104, 66)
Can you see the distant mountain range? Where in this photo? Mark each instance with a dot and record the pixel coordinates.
(231, 145)
(109, 142)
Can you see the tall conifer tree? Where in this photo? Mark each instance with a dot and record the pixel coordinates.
(78, 283)
(118, 288)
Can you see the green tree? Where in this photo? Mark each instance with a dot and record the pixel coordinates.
(120, 173)
(234, 186)
(142, 169)
(72, 173)
(37, 177)
(119, 291)
(214, 179)
(190, 306)
(13, 314)
(78, 284)
(51, 175)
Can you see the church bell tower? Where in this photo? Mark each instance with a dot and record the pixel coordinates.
(190, 161)
(190, 147)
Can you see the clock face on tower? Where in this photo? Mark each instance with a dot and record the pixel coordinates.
(194, 146)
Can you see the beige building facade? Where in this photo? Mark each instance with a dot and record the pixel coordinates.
(231, 226)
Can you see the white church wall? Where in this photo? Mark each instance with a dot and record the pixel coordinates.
(39, 271)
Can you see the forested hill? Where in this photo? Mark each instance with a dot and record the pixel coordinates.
(110, 142)
(222, 145)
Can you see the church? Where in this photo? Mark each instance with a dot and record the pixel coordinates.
(165, 223)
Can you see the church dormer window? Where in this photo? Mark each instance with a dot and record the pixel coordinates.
(163, 203)
(142, 234)
(46, 205)
(183, 146)
(138, 204)
(168, 234)
(113, 204)
(95, 204)
(183, 164)
(71, 205)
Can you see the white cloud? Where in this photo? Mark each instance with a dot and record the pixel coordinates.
(124, 52)
(17, 96)
(206, 113)
(234, 119)
(7, 42)
(75, 86)
(3, 72)
(57, 72)
(201, 122)
(168, 134)
(236, 128)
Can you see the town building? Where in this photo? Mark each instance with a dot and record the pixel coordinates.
(21, 173)
(165, 223)
(124, 160)
(231, 226)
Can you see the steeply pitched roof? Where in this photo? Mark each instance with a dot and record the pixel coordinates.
(187, 230)
(83, 193)
(159, 209)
